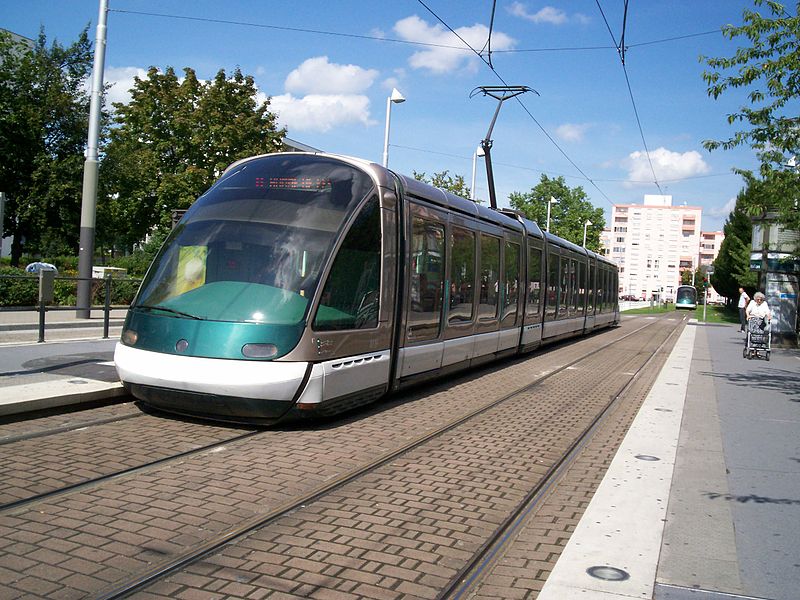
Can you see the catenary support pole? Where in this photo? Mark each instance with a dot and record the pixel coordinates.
(90, 170)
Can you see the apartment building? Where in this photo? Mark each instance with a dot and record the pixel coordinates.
(652, 243)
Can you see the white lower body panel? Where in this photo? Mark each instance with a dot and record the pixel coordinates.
(271, 380)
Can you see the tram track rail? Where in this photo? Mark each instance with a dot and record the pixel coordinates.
(32, 435)
(98, 481)
(213, 545)
(466, 581)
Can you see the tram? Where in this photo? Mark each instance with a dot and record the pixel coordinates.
(307, 284)
(686, 297)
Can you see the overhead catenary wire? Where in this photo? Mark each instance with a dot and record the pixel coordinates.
(621, 50)
(564, 175)
(377, 38)
(522, 104)
(466, 47)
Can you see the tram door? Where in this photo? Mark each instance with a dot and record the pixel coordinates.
(426, 253)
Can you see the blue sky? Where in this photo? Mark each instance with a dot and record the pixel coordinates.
(330, 65)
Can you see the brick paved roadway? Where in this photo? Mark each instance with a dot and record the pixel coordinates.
(398, 532)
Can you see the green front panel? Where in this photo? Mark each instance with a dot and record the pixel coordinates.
(208, 339)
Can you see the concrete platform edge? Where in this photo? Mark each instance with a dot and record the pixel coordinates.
(623, 524)
(33, 397)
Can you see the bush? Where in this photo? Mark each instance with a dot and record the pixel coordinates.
(23, 290)
(18, 292)
(138, 262)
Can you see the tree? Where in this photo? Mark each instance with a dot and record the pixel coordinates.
(43, 122)
(445, 181)
(171, 142)
(567, 215)
(732, 265)
(769, 67)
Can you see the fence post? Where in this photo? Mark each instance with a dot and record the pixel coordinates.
(46, 295)
(107, 309)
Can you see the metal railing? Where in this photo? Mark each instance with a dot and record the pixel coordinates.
(46, 296)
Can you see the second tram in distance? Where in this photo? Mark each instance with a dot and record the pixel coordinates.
(686, 297)
(307, 284)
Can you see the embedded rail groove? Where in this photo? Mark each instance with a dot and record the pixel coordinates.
(470, 574)
(97, 481)
(31, 435)
(212, 545)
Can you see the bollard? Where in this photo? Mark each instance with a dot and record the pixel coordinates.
(107, 308)
(46, 295)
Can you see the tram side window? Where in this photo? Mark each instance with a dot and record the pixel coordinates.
(573, 285)
(511, 283)
(427, 279)
(534, 281)
(590, 289)
(351, 294)
(490, 278)
(564, 299)
(581, 295)
(601, 273)
(462, 275)
(552, 286)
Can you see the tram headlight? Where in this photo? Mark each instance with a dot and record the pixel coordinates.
(129, 337)
(259, 350)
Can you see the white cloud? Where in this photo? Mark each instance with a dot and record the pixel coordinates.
(318, 112)
(318, 76)
(725, 210)
(442, 60)
(121, 81)
(667, 165)
(572, 132)
(548, 14)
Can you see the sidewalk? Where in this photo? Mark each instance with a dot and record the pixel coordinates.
(74, 365)
(702, 500)
(22, 326)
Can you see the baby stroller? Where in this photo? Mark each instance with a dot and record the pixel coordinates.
(759, 339)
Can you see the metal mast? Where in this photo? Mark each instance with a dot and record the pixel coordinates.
(501, 93)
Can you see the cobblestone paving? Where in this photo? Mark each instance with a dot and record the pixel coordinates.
(434, 506)
(17, 425)
(40, 465)
(406, 530)
(520, 571)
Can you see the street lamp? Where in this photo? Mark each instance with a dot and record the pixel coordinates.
(585, 227)
(395, 98)
(478, 152)
(549, 203)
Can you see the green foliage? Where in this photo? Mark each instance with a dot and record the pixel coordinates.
(43, 115)
(17, 292)
(18, 288)
(171, 142)
(768, 66)
(444, 181)
(732, 265)
(138, 262)
(567, 215)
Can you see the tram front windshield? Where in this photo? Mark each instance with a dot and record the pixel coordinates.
(686, 295)
(252, 247)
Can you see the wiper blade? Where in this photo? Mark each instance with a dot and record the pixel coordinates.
(169, 310)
